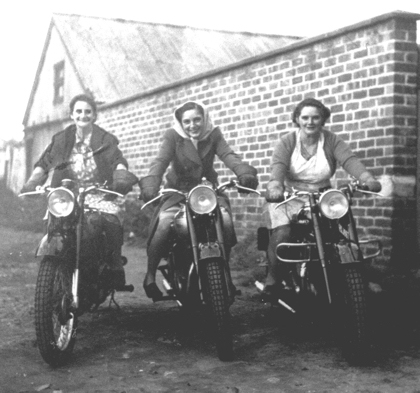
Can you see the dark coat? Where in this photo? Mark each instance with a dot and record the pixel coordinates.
(189, 165)
(59, 150)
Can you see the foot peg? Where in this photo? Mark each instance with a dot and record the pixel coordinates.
(125, 288)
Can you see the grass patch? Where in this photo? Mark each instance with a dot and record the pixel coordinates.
(21, 213)
(247, 261)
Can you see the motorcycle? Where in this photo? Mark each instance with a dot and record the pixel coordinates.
(196, 271)
(73, 276)
(324, 265)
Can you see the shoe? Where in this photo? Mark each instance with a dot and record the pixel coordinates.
(270, 293)
(235, 291)
(152, 291)
(117, 277)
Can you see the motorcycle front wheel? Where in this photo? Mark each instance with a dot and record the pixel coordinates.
(354, 314)
(55, 324)
(217, 298)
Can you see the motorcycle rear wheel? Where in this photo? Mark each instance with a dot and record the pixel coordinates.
(218, 300)
(55, 325)
(354, 315)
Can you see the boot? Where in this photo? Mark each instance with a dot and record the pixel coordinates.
(116, 268)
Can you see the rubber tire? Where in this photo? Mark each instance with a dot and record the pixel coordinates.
(354, 315)
(218, 300)
(46, 315)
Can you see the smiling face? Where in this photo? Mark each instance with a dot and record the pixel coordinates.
(310, 121)
(83, 115)
(192, 123)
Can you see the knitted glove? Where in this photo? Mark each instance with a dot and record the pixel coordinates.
(369, 182)
(149, 186)
(248, 181)
(275, 192)
(123, 181)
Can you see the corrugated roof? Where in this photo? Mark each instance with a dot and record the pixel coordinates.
(116, 58)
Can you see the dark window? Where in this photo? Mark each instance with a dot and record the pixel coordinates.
(59, 82)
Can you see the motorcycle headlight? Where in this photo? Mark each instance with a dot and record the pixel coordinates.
(60, 202)
(202, 200)
(333, 204)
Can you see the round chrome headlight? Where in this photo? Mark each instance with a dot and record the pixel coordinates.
(333, 204)
(202, 199)
(60, 202)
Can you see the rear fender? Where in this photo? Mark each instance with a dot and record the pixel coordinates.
(50, 247)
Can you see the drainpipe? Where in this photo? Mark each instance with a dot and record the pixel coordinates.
(418, 157)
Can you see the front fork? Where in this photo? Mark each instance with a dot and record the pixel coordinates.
(320, 245)
(79, 237)
(208, 250)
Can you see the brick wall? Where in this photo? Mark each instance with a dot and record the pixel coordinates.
(366, 74)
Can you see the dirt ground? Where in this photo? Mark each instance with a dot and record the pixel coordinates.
(144, 347)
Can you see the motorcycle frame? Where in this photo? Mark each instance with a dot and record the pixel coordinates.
(203, 251)
(319, 239)
(56, 241)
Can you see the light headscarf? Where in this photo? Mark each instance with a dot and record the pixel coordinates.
(207, 128)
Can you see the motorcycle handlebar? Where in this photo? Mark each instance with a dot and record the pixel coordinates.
(97, 187)
(353, 186)
(234, 183)
(221, 187)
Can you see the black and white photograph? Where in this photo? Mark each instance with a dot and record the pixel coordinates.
(210, 197)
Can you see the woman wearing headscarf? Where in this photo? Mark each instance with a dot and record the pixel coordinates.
(189, 150)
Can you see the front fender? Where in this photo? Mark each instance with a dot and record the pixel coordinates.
(348, 252)
(209, 250)
(51, 247)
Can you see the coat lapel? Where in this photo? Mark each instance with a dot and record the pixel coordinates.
(190, 152)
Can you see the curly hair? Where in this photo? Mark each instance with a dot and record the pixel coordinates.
(325, 112)
(85, 98)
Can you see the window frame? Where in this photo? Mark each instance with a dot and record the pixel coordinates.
(59, 82)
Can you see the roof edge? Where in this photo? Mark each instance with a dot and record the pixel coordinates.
(37, 74)
(180, 26)
(299, 44)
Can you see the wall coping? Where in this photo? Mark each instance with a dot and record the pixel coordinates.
(291, 47)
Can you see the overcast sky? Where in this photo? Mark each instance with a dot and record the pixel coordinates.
(24, 24)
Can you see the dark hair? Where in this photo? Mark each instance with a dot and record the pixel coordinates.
(325, 112)
(84, 98)
(187, 107)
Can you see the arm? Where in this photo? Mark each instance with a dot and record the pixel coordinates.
(353, 166)
(37, 178)
(280, 162)
(247, 174)
(150, 184)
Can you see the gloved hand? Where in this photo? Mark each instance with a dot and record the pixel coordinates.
(149, 186)
(29, 186)
(248, 181)
(373, 185)
(369, 182)
(123, 181)
(275, 192)
(148, 193)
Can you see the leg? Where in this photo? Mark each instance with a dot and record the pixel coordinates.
(280, 234)
(115, 238)
(157, 249)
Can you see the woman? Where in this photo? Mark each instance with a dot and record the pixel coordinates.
(189, 148)
(305, 160)
(89, 154)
